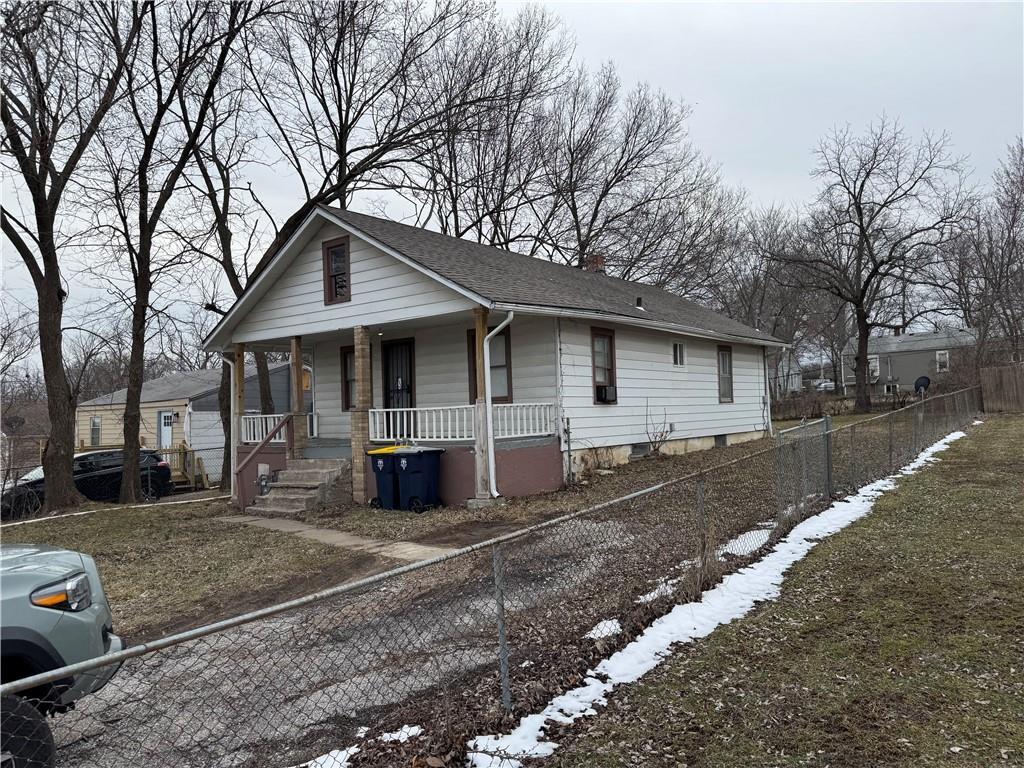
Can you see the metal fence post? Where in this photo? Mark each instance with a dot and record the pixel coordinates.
(891, 464)
(780, 478)
(854, 464)
(703, 535)
(803, 475)
(828, 457)
(915, 438)
(498, 564)
(796, 480)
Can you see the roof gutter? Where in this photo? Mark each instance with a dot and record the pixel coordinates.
(638, 322)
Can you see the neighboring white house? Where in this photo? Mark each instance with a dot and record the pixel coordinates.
(585, 365)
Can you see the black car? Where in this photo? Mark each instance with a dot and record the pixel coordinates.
(97, 476)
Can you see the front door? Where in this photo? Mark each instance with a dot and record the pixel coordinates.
(398, 370)
(164, 425)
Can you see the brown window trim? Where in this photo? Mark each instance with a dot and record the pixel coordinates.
(471, 358)
(610, 335)
(329, 297)
(718, 374)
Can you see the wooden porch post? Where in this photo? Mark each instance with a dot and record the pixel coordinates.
(482, 473)
(360, 423)
(300, 424)
(237, 411)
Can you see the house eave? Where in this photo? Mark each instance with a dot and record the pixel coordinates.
(657, 325)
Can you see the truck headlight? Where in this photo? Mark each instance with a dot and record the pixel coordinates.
(71, 594)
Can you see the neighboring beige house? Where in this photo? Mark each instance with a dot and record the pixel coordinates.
(180, 408)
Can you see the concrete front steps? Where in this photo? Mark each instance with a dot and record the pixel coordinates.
(305, 485)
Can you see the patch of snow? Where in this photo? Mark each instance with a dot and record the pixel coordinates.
(733, 598)
(605, 628)
(747, 542)
(403, 734)
(362, 731)
(336, 758)
(976, 422)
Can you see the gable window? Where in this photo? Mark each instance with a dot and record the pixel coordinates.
(679, 354)
(337, 271)
(724, 374)
(501, 367)
(602, 350)
(95, 425)
(941, 360)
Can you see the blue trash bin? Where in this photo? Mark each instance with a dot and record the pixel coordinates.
(418, 470)
(382, 461)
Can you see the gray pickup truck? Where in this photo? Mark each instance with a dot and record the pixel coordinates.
(53, 613)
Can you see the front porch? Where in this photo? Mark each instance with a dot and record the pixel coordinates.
(413, 382)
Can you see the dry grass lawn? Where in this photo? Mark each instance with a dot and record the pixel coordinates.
(896, 642)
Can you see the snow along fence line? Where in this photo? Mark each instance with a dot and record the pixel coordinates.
(470, 638)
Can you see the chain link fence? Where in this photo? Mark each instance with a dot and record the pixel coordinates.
(459, 644)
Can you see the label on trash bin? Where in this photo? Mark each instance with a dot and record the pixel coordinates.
(380, 464)
(404, 463)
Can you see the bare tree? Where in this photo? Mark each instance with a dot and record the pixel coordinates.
(171, 86)
(980, 274)
(481, 173)
(886, 207)
(17, 339)
(611, 161)
(64, 66)
(355, 92)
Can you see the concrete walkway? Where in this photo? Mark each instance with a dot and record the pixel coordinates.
(399, 550)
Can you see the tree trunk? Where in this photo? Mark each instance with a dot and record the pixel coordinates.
(58, 457)
(863, 383)
(131, 485)
(263, 375)
(224, 403)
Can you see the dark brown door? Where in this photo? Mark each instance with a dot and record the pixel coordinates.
(399, 371)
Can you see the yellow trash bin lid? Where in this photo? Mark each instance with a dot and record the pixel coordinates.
(385, 449)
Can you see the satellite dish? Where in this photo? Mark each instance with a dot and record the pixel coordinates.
(921, 385)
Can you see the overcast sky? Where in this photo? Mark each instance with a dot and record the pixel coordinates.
(766, 81)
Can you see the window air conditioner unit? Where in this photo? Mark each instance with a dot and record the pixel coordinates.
(606, 393)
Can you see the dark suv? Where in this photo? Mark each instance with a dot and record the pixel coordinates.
(97, 476)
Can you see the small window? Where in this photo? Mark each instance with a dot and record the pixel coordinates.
(95, 427)
(941, 360)
(873, 367)
(679, 354)
(501, 367)
(337, 271)
(725, 374)
(348, 378)
(602, 348)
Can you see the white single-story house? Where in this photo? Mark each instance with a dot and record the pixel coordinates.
(417, 336)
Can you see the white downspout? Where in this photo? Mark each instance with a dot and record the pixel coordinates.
(492, 474)
(234, 438)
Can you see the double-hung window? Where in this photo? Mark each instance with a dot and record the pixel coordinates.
(941, 360)
(337, 271)
(679, 354)
(501, 367)
(725, 374)
(95, 426)
(602, 349)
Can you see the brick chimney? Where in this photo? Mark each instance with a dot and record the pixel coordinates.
(594, 262)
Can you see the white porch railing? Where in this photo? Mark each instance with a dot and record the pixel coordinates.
(442, 425)
(455, 422)
(255, 427)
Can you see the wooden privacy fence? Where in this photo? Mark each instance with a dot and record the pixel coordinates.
(1002, 389)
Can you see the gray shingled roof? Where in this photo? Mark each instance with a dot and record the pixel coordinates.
(514, 278)
(186, 385)
(916, 342)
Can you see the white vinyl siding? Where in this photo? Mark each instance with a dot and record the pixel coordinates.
(442, 368)
(686, 397)
(384, 290)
